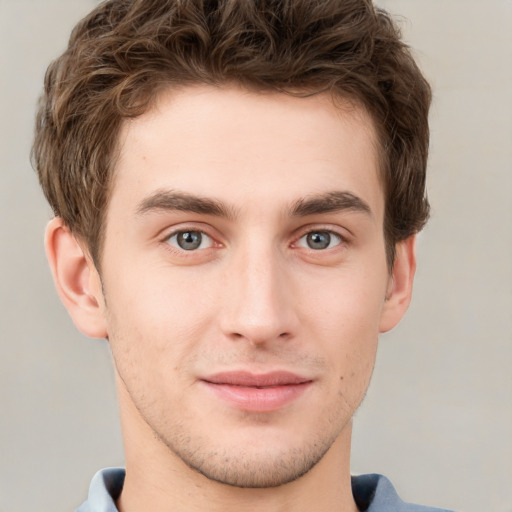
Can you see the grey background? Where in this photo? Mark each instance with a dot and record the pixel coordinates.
(438, 417)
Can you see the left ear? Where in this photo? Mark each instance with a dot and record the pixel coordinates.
(399, 291)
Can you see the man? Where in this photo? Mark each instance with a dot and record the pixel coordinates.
(237, 188)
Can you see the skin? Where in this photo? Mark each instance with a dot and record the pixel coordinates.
(259, 178)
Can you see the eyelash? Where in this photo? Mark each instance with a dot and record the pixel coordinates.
(341, 240)
(183, 231)
(338, 239)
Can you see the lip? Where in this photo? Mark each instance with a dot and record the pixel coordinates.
(253, 392)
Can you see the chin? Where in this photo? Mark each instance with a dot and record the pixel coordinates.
(255, 467)
(255, 473)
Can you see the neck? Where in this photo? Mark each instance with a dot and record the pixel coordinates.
(158, 480)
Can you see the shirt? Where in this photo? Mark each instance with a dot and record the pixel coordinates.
(372, 493)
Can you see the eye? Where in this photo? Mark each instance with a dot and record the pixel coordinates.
(190, 240)
(319, 240)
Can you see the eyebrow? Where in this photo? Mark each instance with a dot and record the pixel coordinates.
(328, 203)
(164, 200)
(168, 200)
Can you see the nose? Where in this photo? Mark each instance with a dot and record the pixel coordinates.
(258, 304)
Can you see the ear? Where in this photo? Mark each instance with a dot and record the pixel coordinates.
(76, 279)
(399, 291)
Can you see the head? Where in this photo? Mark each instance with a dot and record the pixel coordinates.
(237, 186)
(125, 53)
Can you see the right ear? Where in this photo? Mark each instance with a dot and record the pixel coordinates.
(76, 279)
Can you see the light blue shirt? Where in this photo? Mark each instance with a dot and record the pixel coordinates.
(372, 493)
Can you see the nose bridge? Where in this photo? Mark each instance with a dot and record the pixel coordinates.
(257, 304)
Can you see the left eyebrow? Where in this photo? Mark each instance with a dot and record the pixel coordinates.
(330, 202)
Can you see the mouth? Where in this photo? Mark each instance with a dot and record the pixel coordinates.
(252, 392)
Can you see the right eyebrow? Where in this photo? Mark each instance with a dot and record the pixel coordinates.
(168, 200)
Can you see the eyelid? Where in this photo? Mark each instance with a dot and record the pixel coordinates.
(198, 227)
(342, 234)
(338, 240)
(203, 235)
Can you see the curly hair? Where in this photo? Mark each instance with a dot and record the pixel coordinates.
(125, 52)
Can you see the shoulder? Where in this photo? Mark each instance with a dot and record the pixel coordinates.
(375, 493)
(372, 493)
(105, 488)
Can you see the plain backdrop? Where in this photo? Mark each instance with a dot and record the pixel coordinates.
(438, 417)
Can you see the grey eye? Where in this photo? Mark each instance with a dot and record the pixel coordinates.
(190, 240)
(319, 240)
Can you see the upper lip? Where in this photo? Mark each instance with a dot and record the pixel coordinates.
(249, 379)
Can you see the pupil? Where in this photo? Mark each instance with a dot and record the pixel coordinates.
(319, 240)
(189, 240)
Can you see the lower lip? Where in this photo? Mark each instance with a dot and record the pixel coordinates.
(254, 399)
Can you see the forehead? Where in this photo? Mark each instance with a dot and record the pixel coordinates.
(242, 146)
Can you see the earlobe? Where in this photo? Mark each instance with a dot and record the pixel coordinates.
(399, 292)
(76, 279)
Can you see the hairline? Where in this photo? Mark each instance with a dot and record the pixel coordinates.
(340, 99)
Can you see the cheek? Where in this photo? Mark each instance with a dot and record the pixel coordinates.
(160, 296)
(154, 329)
(349, 303)
(343, 318)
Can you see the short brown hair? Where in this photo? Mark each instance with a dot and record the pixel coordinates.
(125, 51)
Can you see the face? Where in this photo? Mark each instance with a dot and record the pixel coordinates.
(244, 276)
